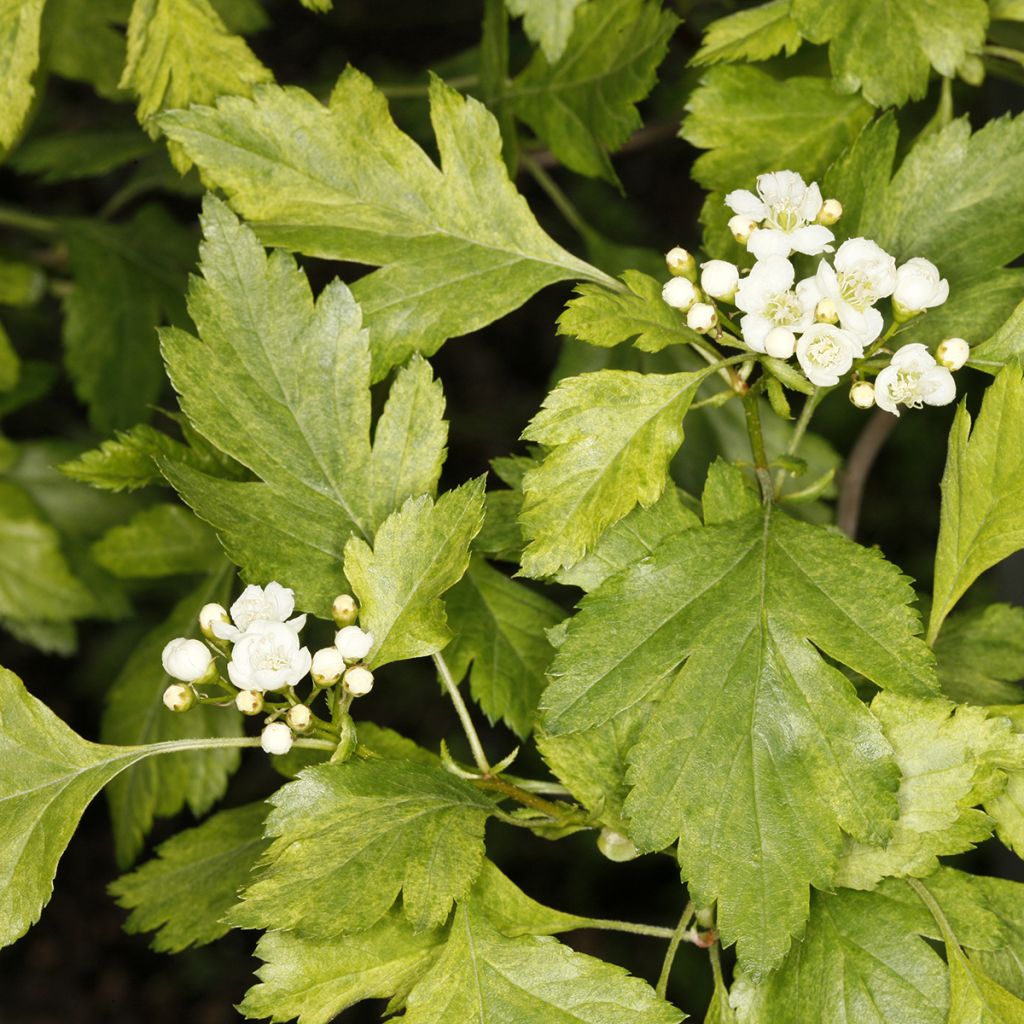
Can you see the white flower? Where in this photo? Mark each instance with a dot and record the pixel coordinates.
(952, 353)
(862, 394)
(353, 644)
(178, 698)
(679, 293)
(825, 353)
(701, 317)
(863, 274)
(787, 208)
(299, 717)
(344, 610)
(767, 298)
(272, 603)
(719, 278)
(208, 615)
(681, 263)
(187, 660)
(913, 378)
(249, 702)
(327, 667)
(780, 343)
(268, 657)
(359, 681)
(276, 738)
(918, 287)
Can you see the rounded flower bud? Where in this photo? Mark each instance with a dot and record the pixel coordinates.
(719, 279)
(681, 263)
(918, 287)
(191, 661)
(826, 312)
(780, 342)
(862, 394)
(249, 702)
(208, 615)
(615, 846)
(679, 293)
(344, 610)
(353, 644)
(952, 353)
(359, 681)
(276, 738)
(328, 665)
(299, 717)
(831, 210)
(701, 317)
(178, 697)
(742, 227)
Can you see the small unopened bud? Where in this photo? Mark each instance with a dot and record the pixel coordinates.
(681, 263)
(353, 644)
(276, 738)
(780, 342)
(344, 610)
(952, 353)
(701, 317)
(189, 661)
(719, 279)
(249, 702)
(327, 667)
(679, 293)
(208, 615)
(742, 228)
(831, 210)
(862, 394)
(826, 312)
(179, 698)
(299, 717)
(359, 681)
(615, 846)
(705, 918)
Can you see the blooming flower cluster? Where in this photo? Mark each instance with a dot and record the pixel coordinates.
(260, 642)
(830, 320)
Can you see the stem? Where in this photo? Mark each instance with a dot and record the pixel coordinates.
(412, 91)
(673, 948)
(538, 786)
(174, 746)
(653, 930)
(716, 965)
(935, 910)
(527, 799)
(561, 201)
(1005, 52)
(866, 449)
(26, 221)
(800, 428)
(753, 416)
(463, 712)
(893, 328)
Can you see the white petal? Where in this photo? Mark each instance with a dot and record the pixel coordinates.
(883, 398)
(755, 329)
(811, 206)
(811, 240)
(746, 203)
(765, 242)
(914, 357)
(938, 386)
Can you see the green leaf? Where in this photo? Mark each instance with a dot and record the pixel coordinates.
(887, 48)
(602, 317)
(980, 655)
(1008, 10)
(758, 810)
(163, 540)
(127, 279)
(583, 105)
(1005, 344)
(358, 189)
(1007, 807)
(548, 23)
(65, 157)
(10, 364)
(21, 283)
(974, 998)
(19, 55)
(982, 517)
(611, 436)
(728, 494)
(499, 628)
(347, 838)
(1004, 962)
(135, 713)
(246, 386)
(81, 40)
(183, 893)
(751, 35)
(753, 122)
(485, 975)
(419, 552)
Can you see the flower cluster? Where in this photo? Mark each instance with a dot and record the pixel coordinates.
(829, 320)
(260, 642)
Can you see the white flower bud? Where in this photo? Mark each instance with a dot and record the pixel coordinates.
(328, 665)
(952, 353)
(918, 287)
(826, 312)
(344, 610)
(831, 210)
(701, 317)
(359, 681)
(191, 661)
(179, 698)
(299, 717)
(862, 394)
(679, 293)
(249, 702)
(681, 263)
(719, 279)
(780, 342)
(742, 227)
(353, 644)
(615, 846)
(276, 738)
(208, 615)
(705, 918)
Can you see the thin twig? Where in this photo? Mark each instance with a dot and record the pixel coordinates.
(463, 712)
(673, 948)
(862, 458)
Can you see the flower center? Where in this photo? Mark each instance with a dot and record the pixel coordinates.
(905, 390)
(784, 216)
(271, 658)
(783, 309)
(825, 351)
(856, 289)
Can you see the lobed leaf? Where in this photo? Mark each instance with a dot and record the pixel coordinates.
(19, 56)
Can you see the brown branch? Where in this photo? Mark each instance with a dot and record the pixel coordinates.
(858, 467)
